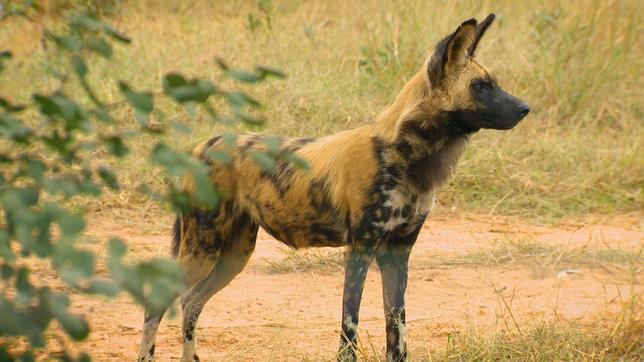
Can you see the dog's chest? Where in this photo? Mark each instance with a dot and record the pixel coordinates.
(399, 208)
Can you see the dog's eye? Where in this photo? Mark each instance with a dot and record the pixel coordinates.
(481, 85)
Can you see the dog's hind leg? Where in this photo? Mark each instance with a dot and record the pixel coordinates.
(150, 329)
(194, 269)
(232, 260)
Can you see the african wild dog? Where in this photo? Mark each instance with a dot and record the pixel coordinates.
(369, 189)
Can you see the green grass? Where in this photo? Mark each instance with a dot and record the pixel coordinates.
(578, 65)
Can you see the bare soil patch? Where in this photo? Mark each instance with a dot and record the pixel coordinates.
(263, 316)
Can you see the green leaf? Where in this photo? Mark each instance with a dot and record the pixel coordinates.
(4, 55)
(173, 80)
(6, 271)
(103, 286)
(108, 177)
(87, 22)
(83, 261)
(6, 252)
(109, 30)
(140, 100)
(36, 169)
(59, 105)
(205, 192)
(79, 65)
(268, 71)
(13, 129)
(182, 90)
(115, 145)
(4, 103)
(100, 46)
(242, 75)
(298, 161)
(205, 89)
(175, 162)
(263, 159)
(180, 126)
(238, 100)
(75, 326)
(71, 224)
(116, 247)
(103, 116)
(17, 197)
(273, 144)
(250, 119)
(11, 321)
(220, 156)
(229, 138)
(25, 291)
(69, 43)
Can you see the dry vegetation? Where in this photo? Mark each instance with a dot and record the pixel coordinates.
(579, 152)
(577, 65)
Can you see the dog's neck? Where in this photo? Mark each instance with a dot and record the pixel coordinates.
(430, 149)
(428, 139)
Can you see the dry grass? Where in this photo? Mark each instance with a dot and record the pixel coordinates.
(546, 259)
(542, 259)
(609, 338)
(305, 261)
(615, 336)
(577, 64)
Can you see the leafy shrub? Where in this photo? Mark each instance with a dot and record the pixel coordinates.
(51, 151)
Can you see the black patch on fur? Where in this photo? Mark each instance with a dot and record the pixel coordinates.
(151, 352)
(325, 233)
(204, 218)
(240, 225)
(426, 171)
(212, 141)
(250, 142)
(319, 197)
(404, 148)
(429, 161)
(281, 175)
(204, 152)
(366, 232)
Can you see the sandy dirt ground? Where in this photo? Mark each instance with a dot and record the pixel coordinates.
(262, 316)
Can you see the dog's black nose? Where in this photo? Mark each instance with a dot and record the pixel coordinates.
(523, 109)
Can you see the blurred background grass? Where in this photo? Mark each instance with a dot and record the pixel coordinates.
(578, 64)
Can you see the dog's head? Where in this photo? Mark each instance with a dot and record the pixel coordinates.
(464, 89)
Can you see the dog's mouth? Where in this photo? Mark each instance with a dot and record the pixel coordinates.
(497, 124)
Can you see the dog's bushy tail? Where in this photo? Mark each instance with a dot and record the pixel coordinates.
(176, 237)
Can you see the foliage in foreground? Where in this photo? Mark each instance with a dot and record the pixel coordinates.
(59, 146)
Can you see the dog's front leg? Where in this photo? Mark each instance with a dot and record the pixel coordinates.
(393, 260)
(393, 264)
(357, 264)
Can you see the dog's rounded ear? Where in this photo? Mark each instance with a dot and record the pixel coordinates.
(480, 30)
(451, 52)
